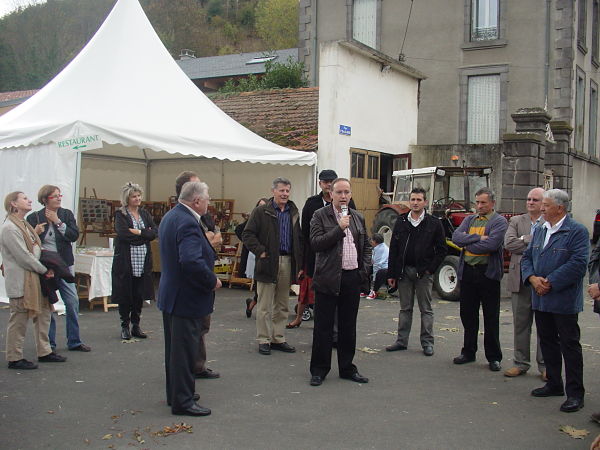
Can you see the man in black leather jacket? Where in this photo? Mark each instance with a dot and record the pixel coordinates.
(339, 238)
(417, 248)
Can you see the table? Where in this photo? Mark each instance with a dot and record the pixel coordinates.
(93, 269)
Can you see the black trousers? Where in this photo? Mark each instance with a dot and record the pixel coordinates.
(477, 289)
(559, 338)
(182, 339)
(130, 308)
(380, 279)
(325, 310)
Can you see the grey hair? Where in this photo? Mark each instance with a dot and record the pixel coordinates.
(191, 190)
(560, 197)
(281, 180)
(126, 192)
(488, 191)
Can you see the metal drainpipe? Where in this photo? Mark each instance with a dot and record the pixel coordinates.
(547, 43)
(314, 17)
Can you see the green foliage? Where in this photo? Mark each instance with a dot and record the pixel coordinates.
(289, 74)
(277, 23)
(37, 41)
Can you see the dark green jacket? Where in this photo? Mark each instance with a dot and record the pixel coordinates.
(262, 235)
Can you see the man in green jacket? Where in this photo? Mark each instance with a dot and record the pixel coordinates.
(273, 235)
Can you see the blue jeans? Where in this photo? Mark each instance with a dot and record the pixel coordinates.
(68, 292)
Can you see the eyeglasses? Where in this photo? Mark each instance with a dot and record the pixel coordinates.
(52, 197)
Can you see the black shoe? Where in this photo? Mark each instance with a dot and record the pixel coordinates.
(462, 359)
(264, 349)
(495, 366)
(316, 380)
(125, 333)
(22, 364)
(248, 310)
(137, 332)
(572, 404)
(546, 391)
(283, 347)
(395, 347)
(52, 357)
(194, 410)
(207, 373)
(428, 350)
(81, 348)
(357, 377)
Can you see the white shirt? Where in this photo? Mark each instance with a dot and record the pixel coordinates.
(416, 222)
(196, 215)
(550, 230)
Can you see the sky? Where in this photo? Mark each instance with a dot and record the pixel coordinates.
(7, 6)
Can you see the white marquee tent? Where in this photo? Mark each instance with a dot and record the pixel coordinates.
(124, 100)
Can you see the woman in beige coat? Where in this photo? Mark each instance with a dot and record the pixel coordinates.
(21, 248)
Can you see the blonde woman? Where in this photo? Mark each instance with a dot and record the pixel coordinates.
(132, 263)
(21, 249)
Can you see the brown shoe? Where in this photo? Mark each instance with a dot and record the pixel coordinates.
(544, 376)
(514, 372)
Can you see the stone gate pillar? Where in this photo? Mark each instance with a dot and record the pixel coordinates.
(559, 158)
(524, 156)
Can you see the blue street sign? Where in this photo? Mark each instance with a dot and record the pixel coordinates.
(345, 130)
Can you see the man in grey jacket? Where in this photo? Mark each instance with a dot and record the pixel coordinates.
(480, 270)
(518, 236)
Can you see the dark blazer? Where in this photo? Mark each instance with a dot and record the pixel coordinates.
(52, 260)
(262, 235)
(63, 243)
(430, 245)
(326, 238)
(187, 259)
(121, 268)
(311, 205)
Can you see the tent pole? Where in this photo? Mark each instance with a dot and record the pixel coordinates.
(75, 205)
(222, 179)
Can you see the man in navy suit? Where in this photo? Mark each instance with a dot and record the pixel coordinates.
(186, 293)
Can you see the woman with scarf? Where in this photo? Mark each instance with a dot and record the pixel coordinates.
(21, 247)
(132, 263)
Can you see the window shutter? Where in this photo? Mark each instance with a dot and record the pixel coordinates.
(364, 22)
(483, 109)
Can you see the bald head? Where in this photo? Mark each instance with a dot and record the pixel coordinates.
(534, 202)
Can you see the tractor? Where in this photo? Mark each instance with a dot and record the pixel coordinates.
(449, 193)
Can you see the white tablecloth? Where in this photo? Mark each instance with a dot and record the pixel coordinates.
(98, 268)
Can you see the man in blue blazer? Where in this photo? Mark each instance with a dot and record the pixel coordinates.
(554, 265)
(186, 293)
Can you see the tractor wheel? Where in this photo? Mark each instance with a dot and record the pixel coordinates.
(384, 224)
(445, 279)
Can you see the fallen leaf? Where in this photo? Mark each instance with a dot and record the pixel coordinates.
(87, 441)
(395, 333)
(573, 432)
(106, 437)
(368, 350)
(130, 341)
(119, 435)
(138, 436)
(451, 317)
(79, 381)
(233, 330)
(372, 334)
(395, 319)
(174, 429)
(493, 403)
(453, 330)
(50, 411)
(443, 302)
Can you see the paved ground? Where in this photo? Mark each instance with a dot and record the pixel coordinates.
(266, 402)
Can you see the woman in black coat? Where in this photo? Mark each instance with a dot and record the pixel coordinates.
(132, 263)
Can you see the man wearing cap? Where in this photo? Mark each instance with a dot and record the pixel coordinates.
(312, 204)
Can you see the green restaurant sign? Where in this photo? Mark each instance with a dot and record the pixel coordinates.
(81, 143)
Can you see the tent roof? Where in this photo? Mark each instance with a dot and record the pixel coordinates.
(125, 87)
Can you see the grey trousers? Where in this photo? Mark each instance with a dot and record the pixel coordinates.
(408, 287)
(522, 319)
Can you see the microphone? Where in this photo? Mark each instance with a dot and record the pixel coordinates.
(344, 208)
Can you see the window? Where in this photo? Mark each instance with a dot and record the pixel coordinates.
(484, 20)
(373, 168)
(358, 165)
(593, 137)
(483, 109)
(401, 162)
(364, 22)
(595, 39)
(581, 24)
(579, 109)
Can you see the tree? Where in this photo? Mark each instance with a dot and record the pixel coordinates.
(277, 23)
